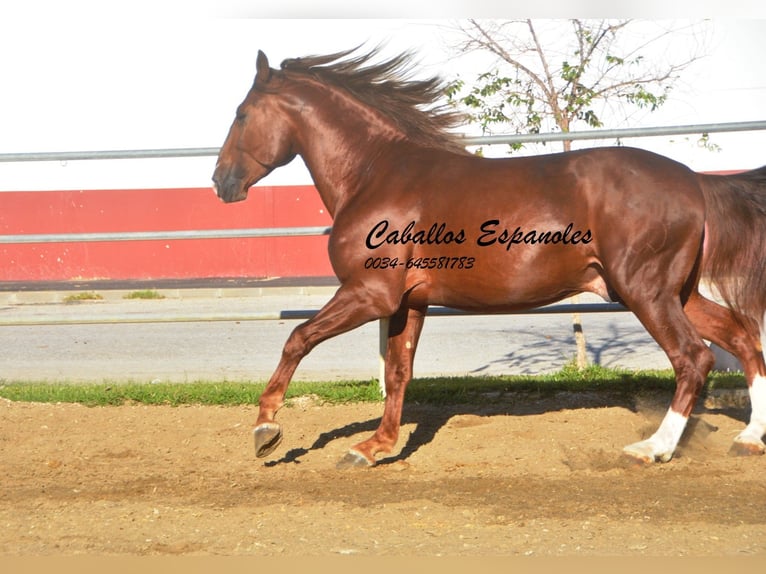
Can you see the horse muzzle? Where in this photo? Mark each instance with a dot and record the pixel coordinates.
(230, 188)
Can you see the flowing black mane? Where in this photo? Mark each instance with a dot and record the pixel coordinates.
(388, 87)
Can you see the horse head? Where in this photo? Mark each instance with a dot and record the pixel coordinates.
(259, 140)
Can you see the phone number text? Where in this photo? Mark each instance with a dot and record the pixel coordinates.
(420, 263)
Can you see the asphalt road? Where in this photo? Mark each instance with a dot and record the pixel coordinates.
(211, 335)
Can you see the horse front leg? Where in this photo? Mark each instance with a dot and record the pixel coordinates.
(349, 308)
(403, 335)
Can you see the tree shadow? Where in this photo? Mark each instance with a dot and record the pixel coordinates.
(613, 346)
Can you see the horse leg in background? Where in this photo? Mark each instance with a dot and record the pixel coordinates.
(349, 308)
(719, 325)
(691, 359)
(403, 334)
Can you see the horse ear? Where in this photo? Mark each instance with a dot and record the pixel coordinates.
(263, 71)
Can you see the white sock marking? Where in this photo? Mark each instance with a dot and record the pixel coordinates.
(667, 436)
(755, 430)
(662, 444)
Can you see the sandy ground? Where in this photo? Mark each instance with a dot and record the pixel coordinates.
(530, 476)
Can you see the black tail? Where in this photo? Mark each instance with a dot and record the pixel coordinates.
(734, 258)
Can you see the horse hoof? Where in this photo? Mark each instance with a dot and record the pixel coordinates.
(353, 459)
(642, 453)
(740, 448)
(639, 454)
(629, 460)
(267, 438)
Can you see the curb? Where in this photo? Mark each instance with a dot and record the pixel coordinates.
(115, 295)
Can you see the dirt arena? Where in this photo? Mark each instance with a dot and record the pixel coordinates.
(529, 477)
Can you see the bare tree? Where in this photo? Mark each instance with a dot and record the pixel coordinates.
(550, 75)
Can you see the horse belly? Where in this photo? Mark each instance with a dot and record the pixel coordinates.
(530, 278)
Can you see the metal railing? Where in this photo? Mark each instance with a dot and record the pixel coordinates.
(164, 235)
(616, 134)
(309, 231)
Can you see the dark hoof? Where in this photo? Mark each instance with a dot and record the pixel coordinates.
(267, 438)
(353, 460)
(745, 449)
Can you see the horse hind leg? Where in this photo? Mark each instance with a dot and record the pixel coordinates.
(691, 360)
(403, 335)
(738, 336)
(750, 440)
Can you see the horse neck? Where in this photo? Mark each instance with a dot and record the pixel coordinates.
(339, 140)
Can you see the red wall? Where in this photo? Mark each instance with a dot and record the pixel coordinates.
(161, 210)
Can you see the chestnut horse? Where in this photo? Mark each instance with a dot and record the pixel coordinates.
(418, 221)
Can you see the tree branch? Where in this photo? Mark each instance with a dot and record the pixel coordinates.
(602, 65)
(493, 46)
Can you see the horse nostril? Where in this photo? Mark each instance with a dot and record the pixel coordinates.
(229, 188)
(216, 187)
(222, 181)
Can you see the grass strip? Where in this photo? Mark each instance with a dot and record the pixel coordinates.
(144, 294)
(434, 390)
(80, 297)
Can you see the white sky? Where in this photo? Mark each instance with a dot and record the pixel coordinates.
(148, 79)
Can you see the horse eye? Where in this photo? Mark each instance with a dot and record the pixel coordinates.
(240, 117)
